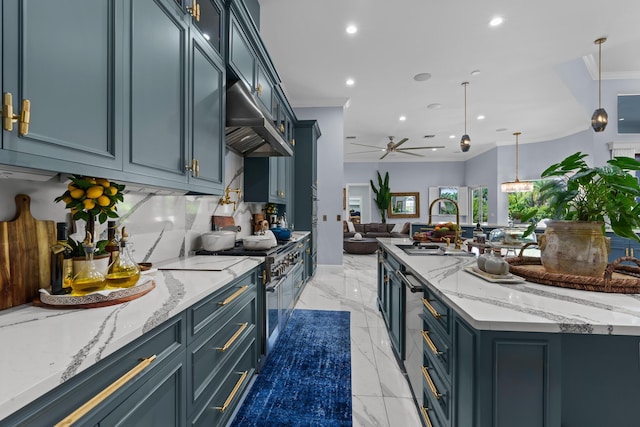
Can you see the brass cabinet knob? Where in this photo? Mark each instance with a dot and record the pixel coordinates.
(8, 118)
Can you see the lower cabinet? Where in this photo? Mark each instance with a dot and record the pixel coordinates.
(391, 300)
(205, 358)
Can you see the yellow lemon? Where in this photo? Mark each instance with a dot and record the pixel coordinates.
(67, 199)
(104, 200)
(104, 182)
(77, 193)
(90, 180)
(89, 204)
(111, 191)
(95, 191)
(71, 186)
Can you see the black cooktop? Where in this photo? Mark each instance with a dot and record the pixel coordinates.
(239, 250)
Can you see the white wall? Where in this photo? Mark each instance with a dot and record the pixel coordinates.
(330, 180)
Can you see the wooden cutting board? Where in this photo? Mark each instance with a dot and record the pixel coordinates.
(24, 255)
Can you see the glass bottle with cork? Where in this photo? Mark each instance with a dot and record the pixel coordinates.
(123, 272)
(112, 246)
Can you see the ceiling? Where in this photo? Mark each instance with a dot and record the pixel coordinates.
(518, 87)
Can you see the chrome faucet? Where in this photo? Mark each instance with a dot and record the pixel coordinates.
(457, 241)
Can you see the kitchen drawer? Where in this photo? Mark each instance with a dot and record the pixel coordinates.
(436, 312)
(233, 380)
(430, 418)
(437, 390)
(208, 354)
(202, 314)
(437, 349)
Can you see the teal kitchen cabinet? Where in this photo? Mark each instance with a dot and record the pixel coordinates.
(65, 59)
(265, 179)
(621, 247)
(175, 119)
(164, 379)
(305, 197)
(247, 57)
(391, 300)
(206, 357)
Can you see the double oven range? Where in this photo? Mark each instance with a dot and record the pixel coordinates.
(277, 295)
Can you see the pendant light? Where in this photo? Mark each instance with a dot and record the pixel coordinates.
(465, 141)
(599, 119)
(516, 186)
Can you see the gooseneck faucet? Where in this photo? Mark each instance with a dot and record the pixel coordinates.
(457, 241)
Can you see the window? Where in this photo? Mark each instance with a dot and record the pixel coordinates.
(445, 208)
(479, 196)
(523, 203)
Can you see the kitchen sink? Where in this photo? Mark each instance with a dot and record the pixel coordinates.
(433, 249)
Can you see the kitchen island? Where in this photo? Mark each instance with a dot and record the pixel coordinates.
(43, 348)
(512, 354)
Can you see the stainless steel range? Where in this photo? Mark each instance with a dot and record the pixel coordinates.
(278, 293)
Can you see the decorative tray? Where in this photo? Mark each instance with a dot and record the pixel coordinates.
(97, 299)
(493, 278)
(617, 278)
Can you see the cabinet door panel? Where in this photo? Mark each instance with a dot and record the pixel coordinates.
(207, 113)
(241, 57)
(60, 56)
(157, 116)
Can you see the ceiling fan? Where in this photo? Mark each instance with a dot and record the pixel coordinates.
(392, 147)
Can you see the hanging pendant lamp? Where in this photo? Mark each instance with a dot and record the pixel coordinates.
(465, 141)
(516, 186)
(599, 119)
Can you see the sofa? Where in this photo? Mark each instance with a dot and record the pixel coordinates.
(374, 230)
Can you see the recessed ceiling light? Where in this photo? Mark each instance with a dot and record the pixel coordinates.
(496, 21)
(501, 129)
(475, 72)
(429, 136)
(434, 149)
(351, 137)
(403, 118)
(352, 29)
(434, 106)
(480, 117)
(451, 136)
(350, 82)
(422, 77)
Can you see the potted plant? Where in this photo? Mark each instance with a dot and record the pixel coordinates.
(383, 195)
(91, 199)
(584, 201)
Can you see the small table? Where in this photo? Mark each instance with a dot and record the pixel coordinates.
(360, 247)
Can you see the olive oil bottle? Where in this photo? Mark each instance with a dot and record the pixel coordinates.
(61, 262)
(123, 272)
(89, 278)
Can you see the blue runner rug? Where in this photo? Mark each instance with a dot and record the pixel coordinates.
(306, 380)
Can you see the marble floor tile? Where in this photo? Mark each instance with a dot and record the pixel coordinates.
(369, 411)
(381, 394)
(402, 412)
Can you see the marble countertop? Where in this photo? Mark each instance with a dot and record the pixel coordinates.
(43, 347)
(528, 307)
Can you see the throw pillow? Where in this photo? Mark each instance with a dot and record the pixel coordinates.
(406, 228)
(350, 227)
(397, 228)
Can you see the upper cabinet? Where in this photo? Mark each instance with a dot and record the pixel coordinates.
(133, 88)
(61, 66)
(175, 119)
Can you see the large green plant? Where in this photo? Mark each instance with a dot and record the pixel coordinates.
(606, 193)
(383, 195)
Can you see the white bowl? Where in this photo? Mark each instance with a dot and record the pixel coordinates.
(260, 242)
(218, 240)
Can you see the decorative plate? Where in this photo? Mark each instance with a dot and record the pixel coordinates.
(493, 278)
(98, 299)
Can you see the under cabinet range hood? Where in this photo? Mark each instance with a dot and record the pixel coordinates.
(249, 129)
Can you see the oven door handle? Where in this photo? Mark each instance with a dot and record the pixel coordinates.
(275, 287)
(412, 288)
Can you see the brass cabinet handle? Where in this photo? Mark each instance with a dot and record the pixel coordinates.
(626, 251)
(430, 343)
(194, 10)
(234, 295)
(308, 250)
(430, 383)
(293, 142)
(197, 168)
(385, 278)
(259, 89)
(425, 416)
(100, 397)
(300, 283)
(194, 167)
(227, 402)
(632, 253)
(234, 337)
(300, 245)
(264, 277)
(8, 118)
(281, 128)
(432, 310)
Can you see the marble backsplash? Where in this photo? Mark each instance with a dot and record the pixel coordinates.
(161, 227)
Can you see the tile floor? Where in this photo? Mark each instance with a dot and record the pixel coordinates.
(381, 395)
